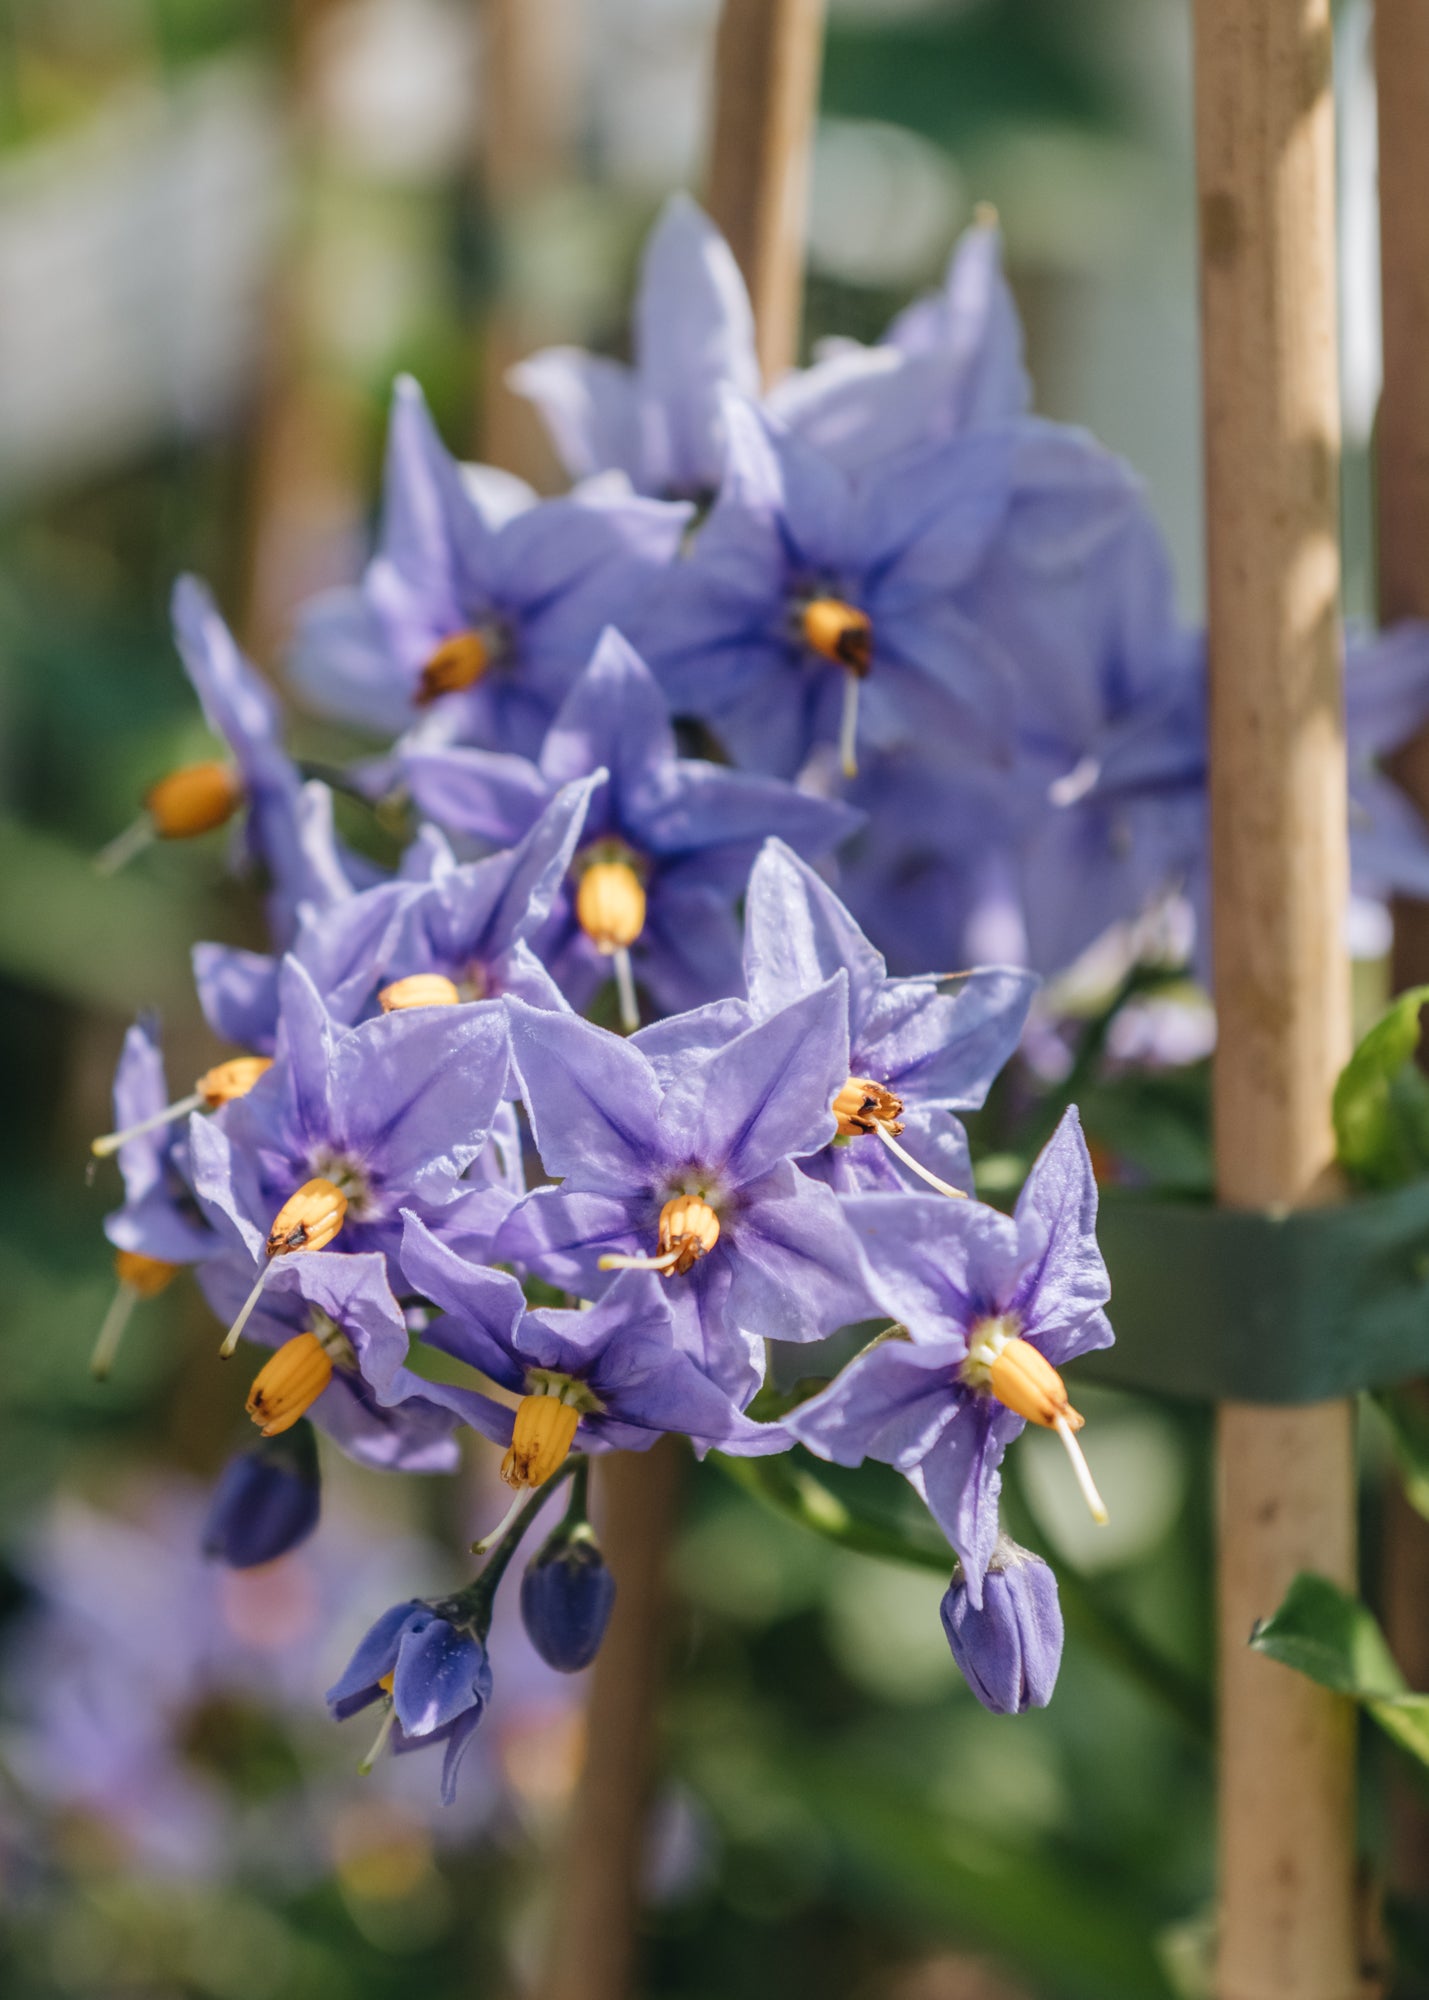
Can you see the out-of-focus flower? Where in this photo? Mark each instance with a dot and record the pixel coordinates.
(477, 609)
(993, 1304)
(266, 1502)
(1010, 1646)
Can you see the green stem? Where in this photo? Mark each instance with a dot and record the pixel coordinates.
(472, 1607)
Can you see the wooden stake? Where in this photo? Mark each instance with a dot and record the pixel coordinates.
(1265, 170)
(767, 61)
(598, 1887)
(1401, 34)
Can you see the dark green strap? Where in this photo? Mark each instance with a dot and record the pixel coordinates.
(1223, 1305)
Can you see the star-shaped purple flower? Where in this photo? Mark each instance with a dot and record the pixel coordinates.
(394, 1113)
(932, 1045)
(659, 422)
(375, 1409)
(688, 830)
(807, 587)
(439, 1676)
(691, 1165)
(616, 1361)
(964, 1281)
(483, 616)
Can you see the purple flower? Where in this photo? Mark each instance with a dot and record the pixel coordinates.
(927, 1047)
(374, 1408)
(807, 584)
(392, 1113)
(690, 1164)
(660, 421)
(1010, 1647)
(567, 1596)
(483, 614)
(950, 362)
(976, 1291)
(159, 1218)
(472, 922)
(615, 1364)
(433, 1675)
(289, 828)
(686, 831)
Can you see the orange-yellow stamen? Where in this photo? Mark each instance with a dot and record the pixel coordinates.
(421, 989)
(309, 1219)
(458, 662)
(148, 1276)
(288, 1385)
(862, 1104)
(839, 632)
(140, 1277)
(193, 800)
(1000, 1361)
(610, 905)
(228, 1080)
(541, 1440)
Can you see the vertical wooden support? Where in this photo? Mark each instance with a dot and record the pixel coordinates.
(1265, 158)
(766, 83)
(1401, 40)
(767, 61)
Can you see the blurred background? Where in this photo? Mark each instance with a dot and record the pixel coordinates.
(223, 228)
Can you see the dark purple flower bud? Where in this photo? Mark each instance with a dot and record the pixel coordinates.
(567, 1595)
(266, 1501)
(1010, 1648)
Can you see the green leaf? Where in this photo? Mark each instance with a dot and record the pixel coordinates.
(1382, 1100)
(1407, 1416)
(1332, 1638)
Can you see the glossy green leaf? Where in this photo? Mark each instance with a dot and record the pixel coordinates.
(1382, 1100)
(1329, 1636)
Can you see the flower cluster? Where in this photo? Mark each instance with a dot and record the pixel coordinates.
(602, 1088)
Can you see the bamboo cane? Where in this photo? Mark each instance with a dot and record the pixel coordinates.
(1401, 30)
(1286, 1476)
(766, 81)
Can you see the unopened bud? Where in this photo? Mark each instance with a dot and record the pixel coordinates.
(266, 1501)
(862, 1104)
(567, 1596)
(288, 1385)
(690, 1227)
(610, 905)
(145, 1276)
(193, 800)
(1010, 1647)
(227, 1080)
(422, 989)
(541, 1440)
(839, 632)
(309, 1219)
(459, 662)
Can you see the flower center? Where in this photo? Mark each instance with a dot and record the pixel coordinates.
(347, 1179)
(457, 663)
(689, 1230)
(838, 632)
(862, 1105)
(610, 897)
(422, 989)
(545, 1427)
(1001, 1363)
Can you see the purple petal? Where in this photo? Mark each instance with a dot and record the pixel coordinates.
(593, 1101)
(959, 1482)
(1064, 1284)
(440, 1673)
(892, 1402)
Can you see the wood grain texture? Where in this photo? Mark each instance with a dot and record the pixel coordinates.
(767, 61)
(1265, 172)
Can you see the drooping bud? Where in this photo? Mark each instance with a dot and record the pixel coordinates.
(421, 989)
(228, 1080)
(193, 800)
(839, 632)
(459, 662)
(288, 1384)
(266, 1502)
(309, 1219)
(567, 1595)
(541, 1440)
(861, 1105)
(1009, 1650)
(610, 905)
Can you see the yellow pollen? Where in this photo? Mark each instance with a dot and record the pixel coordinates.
(862, 1104)
(541, 1440)
(839, 632)
(422, 989)
(386, 1680)
(610, 905)
(459, 662)
(145, 1276)
(227, 1080)
(193, 800)
(309, 1219)
(289, 1384)
(690, 1227)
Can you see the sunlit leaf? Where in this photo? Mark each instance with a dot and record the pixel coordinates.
(1382, 1100)
(1329, 1636)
